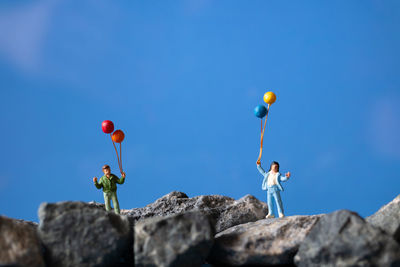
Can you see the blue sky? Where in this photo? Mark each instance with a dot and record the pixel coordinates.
(181, 79)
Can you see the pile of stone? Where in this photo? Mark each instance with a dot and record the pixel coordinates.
(215, 230)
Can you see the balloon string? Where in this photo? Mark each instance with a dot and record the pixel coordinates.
(119, 165)
(120, 157)
(261, 125)
(262, 134)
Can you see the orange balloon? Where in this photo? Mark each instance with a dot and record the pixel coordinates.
(118, 136)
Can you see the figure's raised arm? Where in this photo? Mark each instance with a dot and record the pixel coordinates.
(122, 179)
(260, 169)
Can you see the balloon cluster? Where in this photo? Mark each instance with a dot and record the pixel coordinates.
(117, 137)
(261, 111)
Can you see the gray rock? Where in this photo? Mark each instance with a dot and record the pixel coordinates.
(33, 224)
(388, 218)
(78, 234)
(95, 204)
(343, 238)
(247, 209)
(265, 242)
(175, 240)
(19, 243)
(225, 211)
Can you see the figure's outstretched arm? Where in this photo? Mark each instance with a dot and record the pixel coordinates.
(285, 177)
(97, 184)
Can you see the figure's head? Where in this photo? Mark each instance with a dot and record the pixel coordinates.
(274, 166)
(106, 169)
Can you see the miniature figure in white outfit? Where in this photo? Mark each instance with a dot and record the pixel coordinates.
(272, 183)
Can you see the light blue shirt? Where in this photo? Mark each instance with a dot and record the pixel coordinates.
(280, 178)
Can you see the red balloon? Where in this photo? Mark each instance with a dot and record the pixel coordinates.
(118, 136)
(107, 126)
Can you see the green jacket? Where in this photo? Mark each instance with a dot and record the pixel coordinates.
(109, 184)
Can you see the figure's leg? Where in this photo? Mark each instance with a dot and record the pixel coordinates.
(279, 204)
(107, 201)
(270, 206)
(115, 202)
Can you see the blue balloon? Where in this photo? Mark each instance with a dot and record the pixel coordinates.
(260, 111)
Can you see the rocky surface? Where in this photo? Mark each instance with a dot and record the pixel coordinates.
(343, 238)
(19, 243)
(76, 234)
(175, 240)
(265, 242)
(177, 230)
(388, 218)
(225, 211)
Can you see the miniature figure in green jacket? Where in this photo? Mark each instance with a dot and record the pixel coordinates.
(109, 184)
